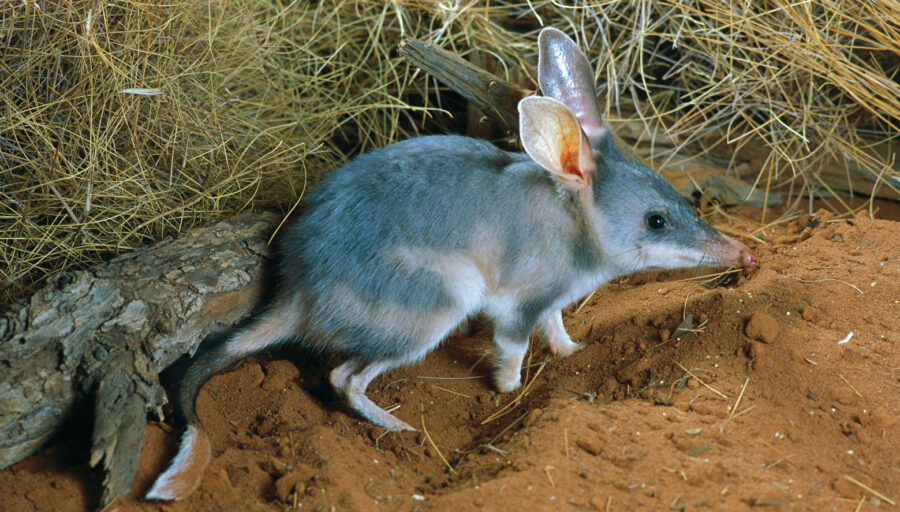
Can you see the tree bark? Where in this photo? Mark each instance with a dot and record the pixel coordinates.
(106, 332)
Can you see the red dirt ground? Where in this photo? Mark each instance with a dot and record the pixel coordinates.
(762, 406)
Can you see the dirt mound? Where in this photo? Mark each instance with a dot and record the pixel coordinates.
(783, 391)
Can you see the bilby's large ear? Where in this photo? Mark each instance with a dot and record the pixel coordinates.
(553, 138)
(564, 73)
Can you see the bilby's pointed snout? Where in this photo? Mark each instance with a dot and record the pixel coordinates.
(748, 257)
(728, 251)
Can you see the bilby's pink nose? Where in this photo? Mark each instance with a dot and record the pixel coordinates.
(748, 258)
(729, 252)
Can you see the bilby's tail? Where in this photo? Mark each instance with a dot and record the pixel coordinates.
(186, 470)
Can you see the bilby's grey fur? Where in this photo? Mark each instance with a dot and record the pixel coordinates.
(399, 246)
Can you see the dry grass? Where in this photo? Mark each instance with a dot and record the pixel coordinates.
(126, 122)
(132, 122)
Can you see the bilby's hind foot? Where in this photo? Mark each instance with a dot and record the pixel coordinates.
(360, 403)
(351, 379)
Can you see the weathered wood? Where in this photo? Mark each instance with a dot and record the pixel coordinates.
(492, 94)
(109, 330)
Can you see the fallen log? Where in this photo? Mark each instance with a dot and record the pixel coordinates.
(106, 332)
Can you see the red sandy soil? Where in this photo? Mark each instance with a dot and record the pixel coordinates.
(762, 406)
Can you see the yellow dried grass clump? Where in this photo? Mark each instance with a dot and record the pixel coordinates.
(125, 122)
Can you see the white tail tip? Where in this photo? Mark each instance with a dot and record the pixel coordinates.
(186, 470)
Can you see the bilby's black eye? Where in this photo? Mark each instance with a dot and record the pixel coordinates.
(656, 221)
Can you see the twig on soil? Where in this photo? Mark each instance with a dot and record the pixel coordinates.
(585, 301)
(480, 359)
(706, 279)
(490, 444)
(781, 220)
(777, 462)
(677, 472)
(532, 365)
(377, 439)
(425, 377)
(686, 326)
(674, 504)
(375, 496)
(518, 399)
(748, 409)
(738, 401)
(696, 503)
(549, 476)
(850, 386)
(866, 487)
(410, 450)
(391, 383)
(503, 453)
(891, 384)
(451, 391)
(687, 323)
(581, 395)
(826, 280)
(723, 395)
(436, 449)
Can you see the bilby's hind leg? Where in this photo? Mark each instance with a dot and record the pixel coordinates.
(351, 379)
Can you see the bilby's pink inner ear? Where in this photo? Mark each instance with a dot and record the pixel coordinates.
(552, 137)
(564, 73)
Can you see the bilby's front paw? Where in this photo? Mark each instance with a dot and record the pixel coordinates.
(557, 338)
(564, 347)
(507, 379)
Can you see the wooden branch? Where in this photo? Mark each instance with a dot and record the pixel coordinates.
(495, 96)
(109, 330)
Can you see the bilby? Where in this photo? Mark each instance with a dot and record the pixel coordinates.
(404, 243)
